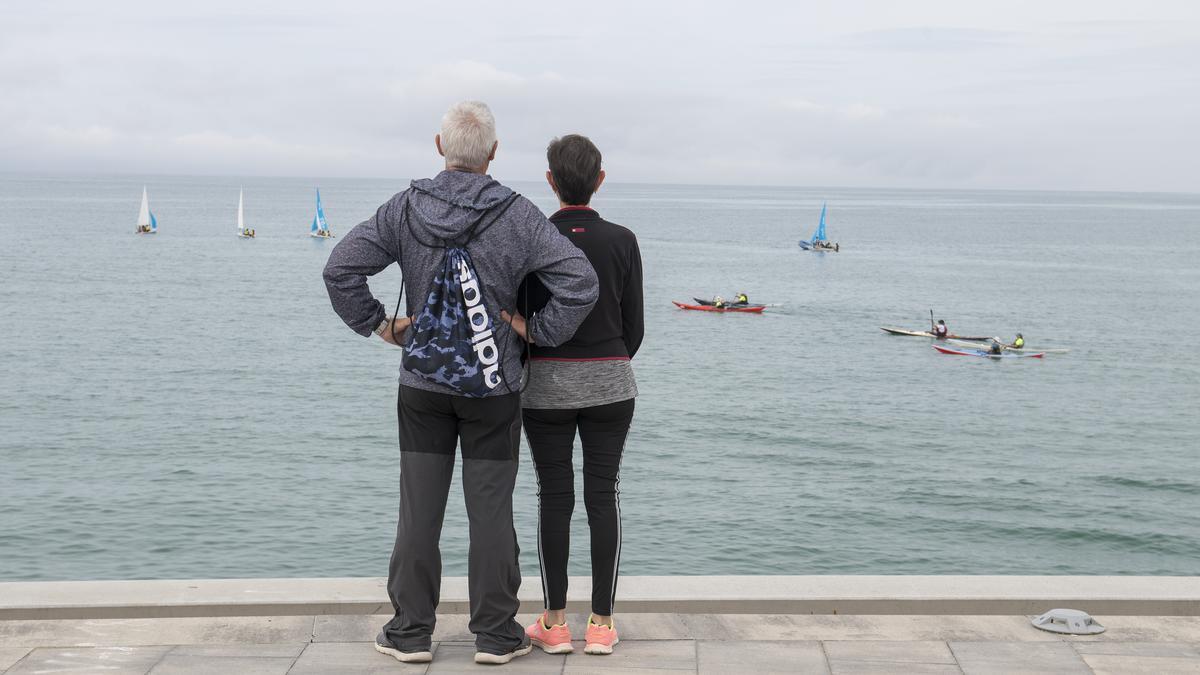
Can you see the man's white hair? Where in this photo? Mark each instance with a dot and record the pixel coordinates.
(468, 134)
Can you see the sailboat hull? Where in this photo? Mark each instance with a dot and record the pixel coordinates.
(808, 246)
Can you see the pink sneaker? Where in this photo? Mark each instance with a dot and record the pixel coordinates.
(552, 639)
(600, 639)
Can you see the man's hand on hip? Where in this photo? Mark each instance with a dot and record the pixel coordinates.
(394, 333)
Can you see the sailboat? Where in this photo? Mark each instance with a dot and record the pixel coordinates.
(320, 228)
(146, 222)
(818, 241)
(243, 231)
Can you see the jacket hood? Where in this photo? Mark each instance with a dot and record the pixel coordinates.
(448, 204)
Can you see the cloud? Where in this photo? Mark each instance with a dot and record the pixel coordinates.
(852, 111)
(446, 79)
(926, 95)
(862, 111)
(950, 121)
(91, 136)
(803, 106)
(197, 146)
(934, 39)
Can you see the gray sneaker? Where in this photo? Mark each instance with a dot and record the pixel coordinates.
(501, 659)
(385, 646)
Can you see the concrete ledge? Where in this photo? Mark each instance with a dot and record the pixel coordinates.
(950, 595)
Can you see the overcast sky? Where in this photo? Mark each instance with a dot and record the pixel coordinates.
(1049, 94)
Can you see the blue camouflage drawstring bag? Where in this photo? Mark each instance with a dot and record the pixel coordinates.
(451, 340)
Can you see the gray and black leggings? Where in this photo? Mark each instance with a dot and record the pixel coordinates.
(551, 434)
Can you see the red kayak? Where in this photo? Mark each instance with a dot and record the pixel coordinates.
(750, 309)
(988, 354)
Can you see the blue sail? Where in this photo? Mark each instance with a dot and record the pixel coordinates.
(820, 234)
(153, 222)
(319, 222)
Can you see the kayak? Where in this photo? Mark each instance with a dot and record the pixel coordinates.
(752, 309)
(980, 352)
(925, 333)
(1007, 348)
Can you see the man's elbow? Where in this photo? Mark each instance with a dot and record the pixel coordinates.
(330, 274)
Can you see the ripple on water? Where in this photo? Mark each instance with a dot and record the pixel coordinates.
(251, 434)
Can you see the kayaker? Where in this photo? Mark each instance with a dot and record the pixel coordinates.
(1019, 343)
(583, 387)
(941, 331)
(718, 302)
(995, 346)
(742, 299)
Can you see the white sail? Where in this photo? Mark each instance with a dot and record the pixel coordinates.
(241, 220)
(144, 215)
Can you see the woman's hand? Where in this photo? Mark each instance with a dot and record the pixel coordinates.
(398, 327)
(518, 324)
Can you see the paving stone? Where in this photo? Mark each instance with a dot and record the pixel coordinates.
(1105, 664)
(888, 651)
(645, 627)
(151, 632)
(718, 657)
(742, 627)
(1171, 649)
(281, 650)
(1003, 658)
(450, 628)
(863, 627)
(10, 655)
(883, 656)
(921, 628)
(107, 660)
(184, 664)
(885, 668)
(460, 658)
(321, 658)
(641, 656)
(349, 628)
(1145, 629)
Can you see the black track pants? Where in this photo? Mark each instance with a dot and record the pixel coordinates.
(551, 434)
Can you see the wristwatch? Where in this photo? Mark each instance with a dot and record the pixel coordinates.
(383, 326)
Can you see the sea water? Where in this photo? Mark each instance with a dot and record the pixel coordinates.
(188, 405)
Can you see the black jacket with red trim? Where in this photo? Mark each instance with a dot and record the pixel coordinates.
(615, 327)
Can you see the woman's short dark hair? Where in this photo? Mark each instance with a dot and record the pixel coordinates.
(575, 165)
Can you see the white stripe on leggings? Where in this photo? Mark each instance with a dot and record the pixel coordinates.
(541, 558)
(612, 596)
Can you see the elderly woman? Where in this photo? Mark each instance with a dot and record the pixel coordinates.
(584, 385)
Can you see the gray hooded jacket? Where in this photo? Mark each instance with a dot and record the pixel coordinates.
(519, 243)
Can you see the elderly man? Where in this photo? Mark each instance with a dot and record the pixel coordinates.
(506, 238)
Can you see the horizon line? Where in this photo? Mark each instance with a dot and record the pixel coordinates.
(48, 173)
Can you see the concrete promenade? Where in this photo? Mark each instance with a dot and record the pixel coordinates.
(234, 626)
